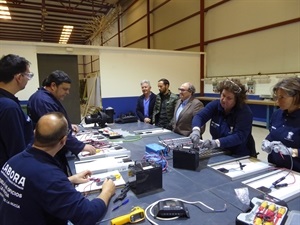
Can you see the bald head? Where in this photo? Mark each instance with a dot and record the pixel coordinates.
(50, 129)
(186, 90)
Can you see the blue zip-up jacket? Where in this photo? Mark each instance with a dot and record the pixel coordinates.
(233, 130)
(16, 130)
(285, 127)
(37, 192)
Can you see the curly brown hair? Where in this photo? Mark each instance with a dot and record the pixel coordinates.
(235, 87)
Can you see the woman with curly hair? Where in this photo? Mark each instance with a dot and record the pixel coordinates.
(230, 121)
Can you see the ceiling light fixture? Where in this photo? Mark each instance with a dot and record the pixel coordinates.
(4, 11)
(65, 34)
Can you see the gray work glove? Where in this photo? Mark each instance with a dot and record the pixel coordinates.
(266, 146)
(281, 148)
(209, 144)
(195, 137)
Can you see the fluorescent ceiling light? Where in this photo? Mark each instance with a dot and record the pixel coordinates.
(65, 34)
(4, 11)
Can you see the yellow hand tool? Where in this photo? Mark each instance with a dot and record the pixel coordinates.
(136, 215)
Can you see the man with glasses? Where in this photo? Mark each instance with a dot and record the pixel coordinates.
(48, 99)
(16, 130)
(230, 121)
(164, 105)
(186, 107)
(28, 75)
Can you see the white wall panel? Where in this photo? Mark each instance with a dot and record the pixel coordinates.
(270, 51)
(122, 70)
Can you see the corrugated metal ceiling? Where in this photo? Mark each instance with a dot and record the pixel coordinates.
(43, 20)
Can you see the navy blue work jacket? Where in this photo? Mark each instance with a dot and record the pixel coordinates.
(233, 130)
(42, 102)
(16, 130)
(285, 127)
(37, 192)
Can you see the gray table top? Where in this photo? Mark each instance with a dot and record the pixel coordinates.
(205, 184)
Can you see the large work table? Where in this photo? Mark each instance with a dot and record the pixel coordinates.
(204, 184)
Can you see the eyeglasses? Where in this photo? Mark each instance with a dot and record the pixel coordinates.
(280, 97)
(182, 90)
(236, 88)
(29, 76)
(69, 131)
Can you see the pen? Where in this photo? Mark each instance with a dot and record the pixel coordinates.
(123, 203)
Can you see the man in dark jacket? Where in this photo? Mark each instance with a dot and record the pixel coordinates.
(34, 190)
(47, 99)
(145, 103)
(164, 105)
(16, 130)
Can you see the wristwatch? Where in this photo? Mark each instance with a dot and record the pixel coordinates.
(295, 152)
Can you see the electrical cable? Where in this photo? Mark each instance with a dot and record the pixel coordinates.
(150, 208)
(157, 159)
(136, 138)
(239, 168)
(93, 180)
(276, 184)
(161, 140)
(127, 139)
(168, 148)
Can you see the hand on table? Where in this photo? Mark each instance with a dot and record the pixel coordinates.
(209, 144)
(89, 148)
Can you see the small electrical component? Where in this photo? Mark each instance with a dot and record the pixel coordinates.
(136, 215)
(123, 193)
(171, 208)
(264, 189)
(223, 170)
(156, 149)
(99, 181)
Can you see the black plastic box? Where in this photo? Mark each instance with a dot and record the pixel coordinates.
(185, 159)
(145, 178)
